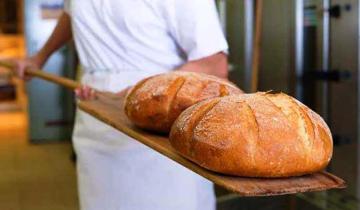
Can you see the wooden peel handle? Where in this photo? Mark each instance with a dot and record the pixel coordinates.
(68, 83)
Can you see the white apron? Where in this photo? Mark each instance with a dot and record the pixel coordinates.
(116, 172)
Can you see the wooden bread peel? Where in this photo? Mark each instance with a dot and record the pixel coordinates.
(108, 108)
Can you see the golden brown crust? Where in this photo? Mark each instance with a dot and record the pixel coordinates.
(155, 103)
(255, 135)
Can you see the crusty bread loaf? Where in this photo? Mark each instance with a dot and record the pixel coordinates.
(253, 135)
(154, 103)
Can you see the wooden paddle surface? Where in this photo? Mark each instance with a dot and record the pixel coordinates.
(109, 109)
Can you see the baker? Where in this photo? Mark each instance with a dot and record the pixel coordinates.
(119, 43)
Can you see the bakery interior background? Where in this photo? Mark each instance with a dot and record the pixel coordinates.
(309, 49)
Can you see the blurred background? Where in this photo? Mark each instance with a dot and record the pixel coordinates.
(309, 49)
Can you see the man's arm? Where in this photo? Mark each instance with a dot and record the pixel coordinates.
(60, 36)
(196, 29)
(216, 65)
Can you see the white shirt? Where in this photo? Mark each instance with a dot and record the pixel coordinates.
(144, 35)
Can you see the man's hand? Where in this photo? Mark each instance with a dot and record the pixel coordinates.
(20, 65)
(85, 93)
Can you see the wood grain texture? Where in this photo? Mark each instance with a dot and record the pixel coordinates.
(109, 109)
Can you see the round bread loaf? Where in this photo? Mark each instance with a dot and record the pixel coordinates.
(253, 135)
(154, 103)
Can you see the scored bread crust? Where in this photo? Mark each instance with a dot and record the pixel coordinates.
(155, 102)
(253, 135)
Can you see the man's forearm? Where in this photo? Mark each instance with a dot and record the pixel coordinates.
(60, 36)
(216, 65)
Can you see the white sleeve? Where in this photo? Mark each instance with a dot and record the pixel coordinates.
(195, 26)
(67, 6)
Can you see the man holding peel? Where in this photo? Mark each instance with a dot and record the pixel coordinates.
(119, 43)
